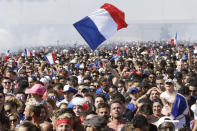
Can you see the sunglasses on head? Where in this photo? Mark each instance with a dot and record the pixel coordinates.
(169, 83)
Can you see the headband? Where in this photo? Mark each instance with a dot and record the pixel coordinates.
(63, 120)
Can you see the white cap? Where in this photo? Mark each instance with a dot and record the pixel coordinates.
(169, 81)
(165, 119)
(101, 70)
(81, 66)
(44, 80)
(73, 61)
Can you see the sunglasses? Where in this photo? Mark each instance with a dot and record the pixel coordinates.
(14, 120)
(169, 83)
(192, 90)
(8, 111)
(7, 82)
(94, 75)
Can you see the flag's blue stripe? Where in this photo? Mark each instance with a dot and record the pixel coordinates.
(89, 31)
(26, 52)
(47, 59)
(179, 106)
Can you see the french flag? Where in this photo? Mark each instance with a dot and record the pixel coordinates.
(28, 52)
(101, 25)
(53, 76)
(174, 41)
(78, 101)
(7, 56)
(50, 58)
(179, 107)
(114, 57)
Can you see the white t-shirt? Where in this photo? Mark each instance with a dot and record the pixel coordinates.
(165, 96)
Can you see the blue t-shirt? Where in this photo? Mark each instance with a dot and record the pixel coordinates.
(100, 91)
(131, 107)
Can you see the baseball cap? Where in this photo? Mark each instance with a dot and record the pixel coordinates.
(78, 101)
(165, 119)
(85, 88)
(36, 89)
(32, 78)
(169, 81)
(133, 89)
(96, 121)
(69, 88)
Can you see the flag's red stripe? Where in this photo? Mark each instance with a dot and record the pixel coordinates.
(116, 14)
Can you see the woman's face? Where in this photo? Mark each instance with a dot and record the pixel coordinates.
(78, 110)
(43, 114)
(157, 108)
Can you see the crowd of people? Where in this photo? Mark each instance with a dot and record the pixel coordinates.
(132, 87)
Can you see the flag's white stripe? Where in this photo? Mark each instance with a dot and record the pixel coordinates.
(50, 58)
(104, 22)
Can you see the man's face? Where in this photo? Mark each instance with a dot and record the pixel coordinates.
(119, 63)
(134, 95)
(116, 110)
(31, 82)
(20, 60)
(87, 82)
(139, 68)
(35, 97)
(105, 86)
(151, 78)
(169, 86)
(94, 76)
(192, 91)
(68, 95)
(63, 81)
(104, 112)
(160, 84)
(7, 84)
(98, 100)
(154, 94)
(64, 127)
